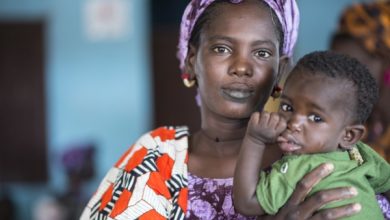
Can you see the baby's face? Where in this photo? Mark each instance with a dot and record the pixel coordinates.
(316, 110)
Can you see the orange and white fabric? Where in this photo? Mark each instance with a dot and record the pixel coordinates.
(148, 182)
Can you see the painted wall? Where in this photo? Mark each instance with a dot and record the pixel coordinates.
(318, 21)
(96, 91)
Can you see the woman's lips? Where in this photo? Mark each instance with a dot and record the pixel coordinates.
(288, 144)
(238, 91)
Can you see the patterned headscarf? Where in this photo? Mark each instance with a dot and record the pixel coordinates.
(286, 10)
(370, 24)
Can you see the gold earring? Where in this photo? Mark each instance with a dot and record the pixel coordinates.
(188, 83)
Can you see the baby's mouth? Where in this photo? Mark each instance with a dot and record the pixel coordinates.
(288, 144)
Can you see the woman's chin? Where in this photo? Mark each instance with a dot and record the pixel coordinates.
(239, 113)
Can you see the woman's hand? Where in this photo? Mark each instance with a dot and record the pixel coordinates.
(301, 207)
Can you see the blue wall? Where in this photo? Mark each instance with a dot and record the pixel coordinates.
(96, 91)
(318, 21)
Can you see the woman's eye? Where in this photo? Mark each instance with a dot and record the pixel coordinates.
(285, 107)
(315, 118)
(221, 50)
(263, 54)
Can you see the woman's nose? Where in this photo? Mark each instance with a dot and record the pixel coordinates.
(241, 67)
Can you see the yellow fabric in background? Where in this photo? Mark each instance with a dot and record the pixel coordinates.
(272, 105)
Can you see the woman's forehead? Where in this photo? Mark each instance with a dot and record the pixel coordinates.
(249, 18)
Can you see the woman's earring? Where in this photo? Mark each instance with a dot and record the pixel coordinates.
(186, 80)
(276, 92)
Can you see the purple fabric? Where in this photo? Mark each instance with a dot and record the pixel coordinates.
(211, 199)
(286, 10)
(384, 205)
(74, 158)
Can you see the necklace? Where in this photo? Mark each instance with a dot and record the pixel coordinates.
(217, 139)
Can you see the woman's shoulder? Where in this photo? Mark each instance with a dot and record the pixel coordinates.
(165, 133)
(153, 169)
(164, 139)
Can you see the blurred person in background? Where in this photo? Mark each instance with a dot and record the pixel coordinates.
(78, 164)
(364, 33)
(49, 208)
(7, 206)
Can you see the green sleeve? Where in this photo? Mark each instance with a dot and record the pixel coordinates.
(379, 175)
(276, 186)
(272, 192)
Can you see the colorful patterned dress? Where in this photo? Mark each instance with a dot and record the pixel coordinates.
(148, 182)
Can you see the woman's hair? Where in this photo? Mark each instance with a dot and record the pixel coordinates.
(369, 24)
(210, 12)
(339, 66)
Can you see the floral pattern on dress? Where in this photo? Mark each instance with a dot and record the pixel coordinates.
(384, 205)
(211, 199)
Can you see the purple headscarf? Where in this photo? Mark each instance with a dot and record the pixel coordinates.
(286, 10)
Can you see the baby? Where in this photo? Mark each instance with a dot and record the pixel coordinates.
(324, 105)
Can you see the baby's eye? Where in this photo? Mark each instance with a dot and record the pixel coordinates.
(315, 118)
(263, 54)
(285, 107)
(220, 49)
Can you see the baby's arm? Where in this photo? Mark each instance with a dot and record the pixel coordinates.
(263, 128)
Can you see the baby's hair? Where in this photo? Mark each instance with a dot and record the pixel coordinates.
(336, 65)
(211, 11)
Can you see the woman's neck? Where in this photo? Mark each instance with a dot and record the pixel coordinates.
(219, 138)
(214, 153)
(221, 129)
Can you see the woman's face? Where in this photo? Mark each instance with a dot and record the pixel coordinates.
(237, 61)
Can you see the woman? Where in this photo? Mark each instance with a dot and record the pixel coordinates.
(234, 52)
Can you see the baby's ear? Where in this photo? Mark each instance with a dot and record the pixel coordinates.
(351, 135)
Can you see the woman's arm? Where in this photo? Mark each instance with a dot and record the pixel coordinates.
(300, 207)
(263, 128)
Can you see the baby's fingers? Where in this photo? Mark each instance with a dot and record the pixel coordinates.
(281, 125)
(273, 120)
(264, 119)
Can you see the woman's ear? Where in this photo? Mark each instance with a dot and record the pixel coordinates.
(351, 135)
(190, 61)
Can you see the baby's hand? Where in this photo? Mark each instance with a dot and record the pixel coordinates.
(265, 127)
